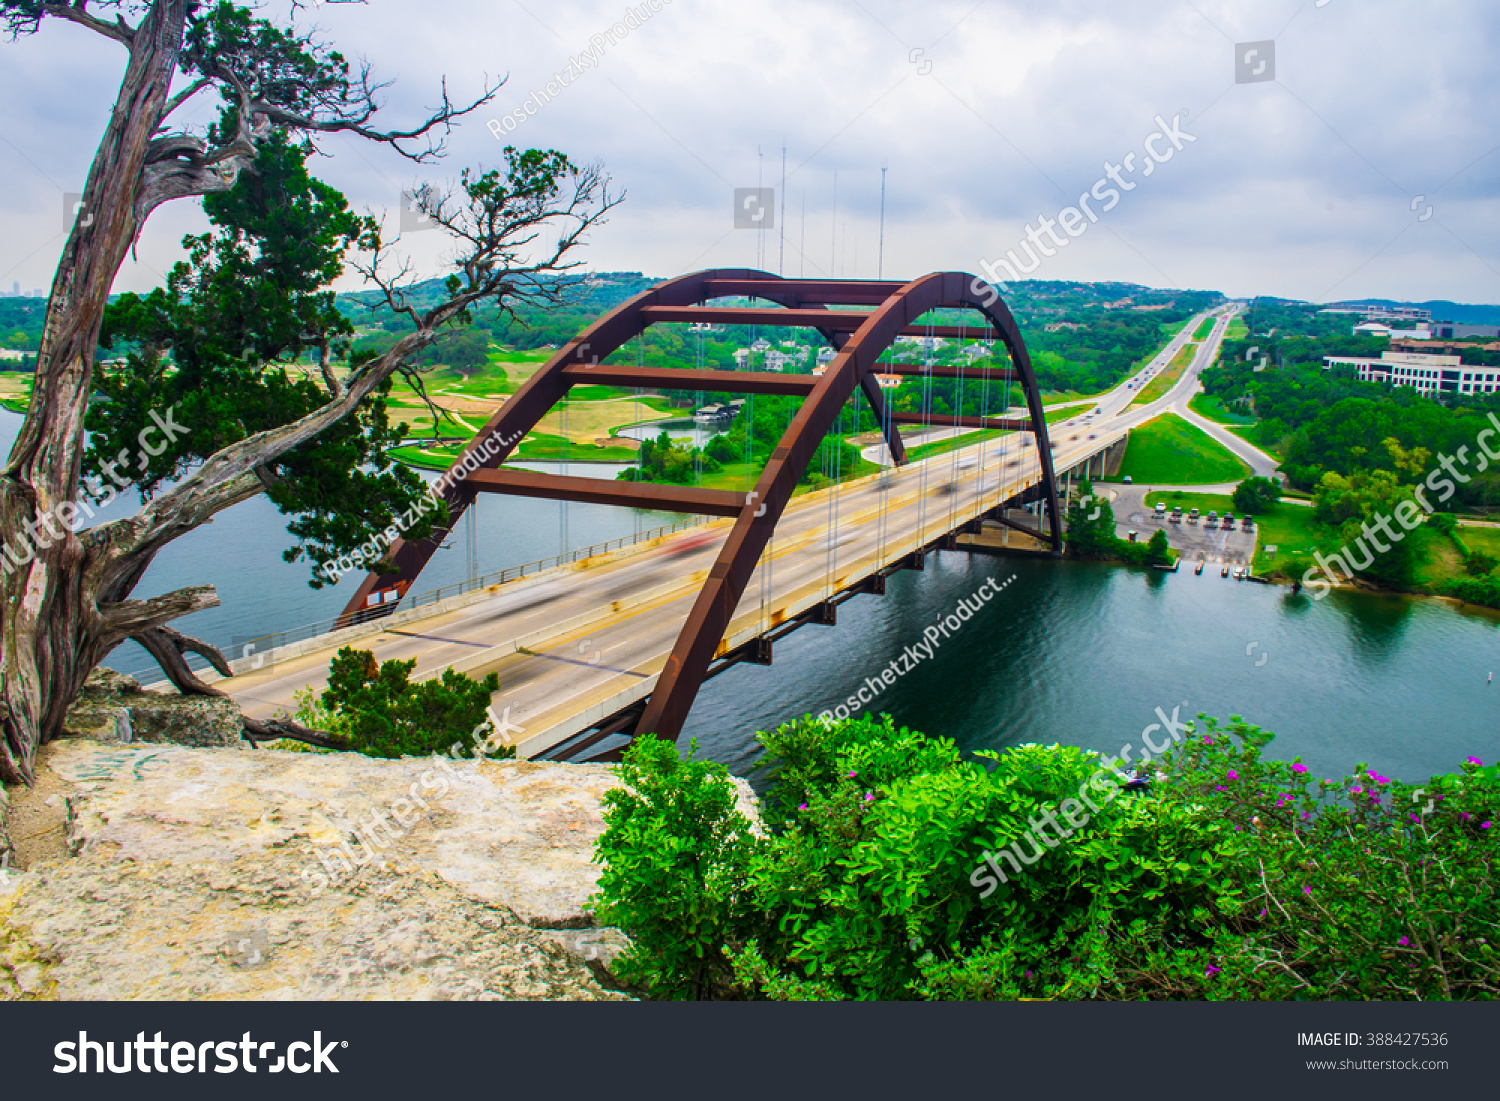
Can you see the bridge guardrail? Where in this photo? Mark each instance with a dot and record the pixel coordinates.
(262, 645)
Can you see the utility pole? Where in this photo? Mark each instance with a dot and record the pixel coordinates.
(802, 238)
(880, 266)
(781, 252)
(760, 231)
(833, 241)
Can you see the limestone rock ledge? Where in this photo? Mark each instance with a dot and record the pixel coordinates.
(178, 873)
(114, 709)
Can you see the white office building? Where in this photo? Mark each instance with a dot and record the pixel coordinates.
(1427, 373)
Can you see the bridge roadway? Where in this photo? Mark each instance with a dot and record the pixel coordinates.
(575, 645)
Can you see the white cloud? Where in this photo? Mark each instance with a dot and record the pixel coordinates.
(1294, 187)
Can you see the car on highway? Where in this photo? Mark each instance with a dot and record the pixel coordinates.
(690, 543)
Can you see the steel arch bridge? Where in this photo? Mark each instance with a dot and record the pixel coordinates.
(859, 337)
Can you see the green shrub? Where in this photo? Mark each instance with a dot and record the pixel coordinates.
(675, 855)
(378, 710)
(1256, 495)
(1234, 876)
(1480, 563)
(1484, 591)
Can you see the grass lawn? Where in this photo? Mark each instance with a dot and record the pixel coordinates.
(1292, 530)
(1247, 432)
(539, 447)
(1444, 561)
(1238, 330)
(1204, 329)
(1167, 377)
(1215, 411)
(1203, 502)
(1169, 451)
(942, 447)
(1050, 398)
(1481, 539)
(15, 390)
(741, 477)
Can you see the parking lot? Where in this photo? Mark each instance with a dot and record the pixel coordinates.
(1196, 541)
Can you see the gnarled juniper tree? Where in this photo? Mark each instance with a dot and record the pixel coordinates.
(226, 339)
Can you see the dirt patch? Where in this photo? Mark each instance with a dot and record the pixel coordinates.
(37, 819)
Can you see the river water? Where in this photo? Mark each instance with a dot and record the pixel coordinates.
(1074, 653)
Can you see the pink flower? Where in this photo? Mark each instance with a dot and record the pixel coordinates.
(1379, 779)
(1212, 970)
(1233, 775)
(851, 774)
(1307, 891)
(1403, 940)
(1263, 911)
(1356, 791)
(1484, 825)
(1474, 761)
(802, 806)
(1465, 815)
(1220, 787)
(1298, 767)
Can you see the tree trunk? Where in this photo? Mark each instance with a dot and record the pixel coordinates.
(52, 583)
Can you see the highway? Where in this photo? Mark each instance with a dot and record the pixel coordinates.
(574, 645)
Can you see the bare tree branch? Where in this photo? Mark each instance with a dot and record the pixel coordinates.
(76, 11)
(132, 617)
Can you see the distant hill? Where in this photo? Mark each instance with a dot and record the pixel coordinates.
(1462, 313)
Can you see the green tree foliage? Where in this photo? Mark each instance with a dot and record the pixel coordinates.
(231, 345)
(1090, 523)
(384, 714)
(1350, 506)
(464, 352)
(1157, 547)
(667, 460)
(1232, 876)
(1090, 532)
(1327, 420)
(1256, 495)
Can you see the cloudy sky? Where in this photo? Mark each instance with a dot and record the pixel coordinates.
(1357, 156)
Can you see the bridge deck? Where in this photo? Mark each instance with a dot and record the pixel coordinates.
(576, 645)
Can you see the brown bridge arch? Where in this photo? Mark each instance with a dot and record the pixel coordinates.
(859, 337)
